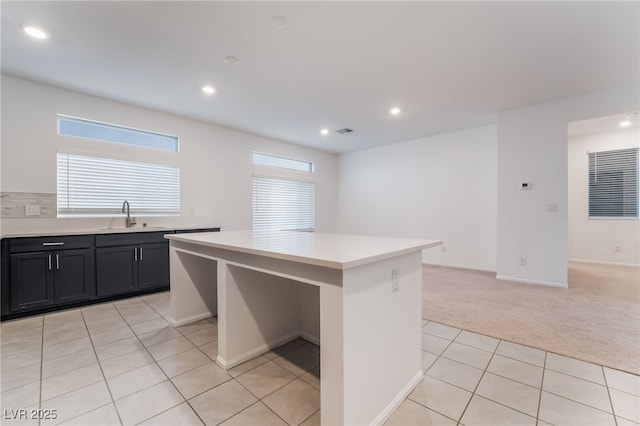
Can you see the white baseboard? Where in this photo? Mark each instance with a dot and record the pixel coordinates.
(601, 262)
(310, 338)
(190, 319)
(469, 268)
(255, 352)
(395, 403)
(537, 282)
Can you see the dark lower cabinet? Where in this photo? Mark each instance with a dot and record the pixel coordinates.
(40, 274)
(44, 278)
(115, 270)
(143, 263)
(73, 275)
(153, 265)
(31, 281)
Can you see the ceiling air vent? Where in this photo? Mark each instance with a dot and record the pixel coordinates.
(345, 130)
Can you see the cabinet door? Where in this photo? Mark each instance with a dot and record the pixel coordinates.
(31, 280)
(73, 275)
(116, 270)
(153, 265)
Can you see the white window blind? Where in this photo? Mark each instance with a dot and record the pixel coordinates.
(613, 184)
(98, 186)
(282, 204)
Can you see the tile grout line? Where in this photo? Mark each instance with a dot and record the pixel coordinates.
(580, 403)
(473, 393)
(299, 377)
(157, 365)
(613, 410)
(486, 370)
(185, 400)
(194, 411)
(276, 390)
(312, 414)
(113, 402)
(258, 399)
(442, 356)
(544, 369)
(143, 347)
(539, 349)
(64, 393)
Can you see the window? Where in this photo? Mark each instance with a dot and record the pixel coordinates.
(285, 163)
(70, 126)
(613, 184)
(282, 204)
(92, 186)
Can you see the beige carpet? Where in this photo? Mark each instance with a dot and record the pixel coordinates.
(597, 319)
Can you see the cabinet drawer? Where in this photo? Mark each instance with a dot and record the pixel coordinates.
(134, 238)
(22, 245)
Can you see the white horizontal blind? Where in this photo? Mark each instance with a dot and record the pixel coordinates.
(613, 184)
(99, 186)
(282, 204)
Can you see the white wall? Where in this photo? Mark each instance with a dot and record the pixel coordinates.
(532, 146)
(215, 161)
(440, 187)
(596, 240)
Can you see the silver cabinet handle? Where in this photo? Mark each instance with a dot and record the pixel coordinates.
(52, 244)
(140, 253)
(135, 254)
(57, 261)
(49, 262)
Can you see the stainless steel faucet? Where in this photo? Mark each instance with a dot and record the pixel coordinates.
(125, 209)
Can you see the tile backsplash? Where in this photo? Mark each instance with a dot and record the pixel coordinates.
(27, 205)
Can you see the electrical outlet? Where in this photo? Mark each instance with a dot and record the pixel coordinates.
(395, 279)
(444, 249)
(523, 261)
(617, 249)
(31, 210)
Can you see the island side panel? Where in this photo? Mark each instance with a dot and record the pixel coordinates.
(331, 356)
(382, 340)
(193, 287)
(258, 312)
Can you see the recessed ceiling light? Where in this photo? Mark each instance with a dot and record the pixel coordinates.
(34, 32)
(324, 132)
(231, 60)
(209, 90)
(395, 111)
(278, 21)
(625, 123)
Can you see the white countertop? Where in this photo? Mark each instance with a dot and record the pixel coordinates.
(105, 231)
(337, 251)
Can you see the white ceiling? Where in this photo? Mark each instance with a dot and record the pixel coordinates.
(610, 123)
(448, 65)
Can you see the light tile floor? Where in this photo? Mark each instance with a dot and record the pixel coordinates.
(122, 363)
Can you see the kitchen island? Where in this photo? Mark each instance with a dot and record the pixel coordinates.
(358, 297)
